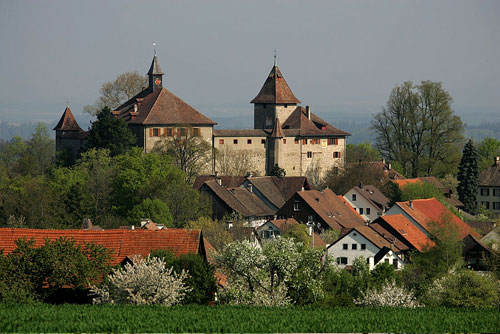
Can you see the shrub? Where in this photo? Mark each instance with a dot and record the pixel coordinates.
(147, 281)
(463, 289)
(389, 295)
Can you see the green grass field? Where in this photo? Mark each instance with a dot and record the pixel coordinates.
(127, 318)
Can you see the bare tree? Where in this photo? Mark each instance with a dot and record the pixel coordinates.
(114, 93)
(234, 163)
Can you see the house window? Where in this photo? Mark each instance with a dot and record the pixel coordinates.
(330, 141)
(296, 206)
(496, 205)
(386, 260)
(395, 263)
(170, 132)
(304, 141)
(156, 132)
(486, 205)
(284, 141)
(485, 192)
(354, 246)
(262, 141)
(342, 260)
(286, 105)
(363, 246)
(336, 154)
(183, 132)
(368, 211)
(196, 132)
(360, 211)
(249, 141)
(496, 192)
(296, 141)
(345, 246)
(353, 197)
(221, 141)
(309, 154)
(310, 218)
(235, 141)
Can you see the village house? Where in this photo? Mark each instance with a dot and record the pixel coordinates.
(276, 228)
(368, 201)
(488, 193)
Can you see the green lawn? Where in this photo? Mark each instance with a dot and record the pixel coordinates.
(127, 318)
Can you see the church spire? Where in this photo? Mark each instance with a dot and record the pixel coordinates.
(155, 74)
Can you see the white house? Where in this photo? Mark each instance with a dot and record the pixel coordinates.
(368, 201)
(365, 242)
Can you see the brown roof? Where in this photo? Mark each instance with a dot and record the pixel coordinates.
(473, 244)
(278, 190)
(371, 235)
(408, 231)
(68, 122)
(310, 127)
(389, 236)
(330, 208)
(123, 243)
(275, 90)
(226, 181)
(241, 133)
(482, 227)
(349, 206)
(373, 195)
(160, 107)
(490, 177)
(277, 133)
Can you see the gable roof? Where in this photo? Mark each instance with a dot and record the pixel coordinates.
(160, 107)
(67, 122)
(278, 190)
(391, 238)
(425, 211)
(284, 224)
(371, 235)
(309, 127)
(490, 177)
(123, 243)
(226, 181)
(408, 231)
(473, 244)
(275, 90)
(330, 208)
(373, 195)
(349, 206)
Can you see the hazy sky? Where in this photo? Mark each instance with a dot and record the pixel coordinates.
(337, 55)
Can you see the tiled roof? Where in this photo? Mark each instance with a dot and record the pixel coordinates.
(429, 210)
(349, 206)
(278, 190)
(391, 238)
(275, 90)
(490, 177)
(68, 122)
(482, 227)
(403, 183)
(160, 107)
(373, 195)
(371, 235)
(331, 209)
(241, 133)
(473, 244)
(122, 242)
(408, 231)
(315, 127)
(226, 181)
(277, 132)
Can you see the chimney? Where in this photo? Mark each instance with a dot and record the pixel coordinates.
(497, 161)
(275, 217)
(132, 227)
(308, 112)
(219, 181)
(389, 166)
(250, 187)
(135, 107)
(411, 204)
(367, 222)
(302, 188)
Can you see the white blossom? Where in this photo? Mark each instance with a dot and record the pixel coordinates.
(389, 295)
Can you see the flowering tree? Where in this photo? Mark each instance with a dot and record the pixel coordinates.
(280, 273)
(148, 281)
(389, 295)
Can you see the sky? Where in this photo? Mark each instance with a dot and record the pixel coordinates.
(339, 57)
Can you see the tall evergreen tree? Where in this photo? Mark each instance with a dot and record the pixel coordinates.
(111, 133)
(467, 178)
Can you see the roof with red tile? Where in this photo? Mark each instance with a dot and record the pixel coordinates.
(426, 211)
(68, 122)
(275, 90)
(297, 124)
(405, 182)
(408, 231)
(121, 242)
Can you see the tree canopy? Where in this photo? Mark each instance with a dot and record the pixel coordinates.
(467, 178)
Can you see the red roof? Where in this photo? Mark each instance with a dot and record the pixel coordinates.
(67, 122)
(410, 232)
(405, 182)
(122, 242)
(425, 211)
(275, 90)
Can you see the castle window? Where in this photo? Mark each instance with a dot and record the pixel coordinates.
(284, 141)
(296, 141)
(235, 141)
(336, 154)
(309, 154)
(286, 105)
(262, 141)
(249, 141)
(221, 141)
(304, 141)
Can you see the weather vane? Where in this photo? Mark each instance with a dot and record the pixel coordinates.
(154, 47)
(274, 57)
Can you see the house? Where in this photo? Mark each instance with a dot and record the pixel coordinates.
(323, 207)
(248, 233)
(275, 228)
(474, 251)
(488, 192)
(426, 213)
(363, 241)
(368, 201)
(122, 242)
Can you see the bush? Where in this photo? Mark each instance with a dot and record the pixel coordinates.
(463, 289)
(147, 282)
(389, 295)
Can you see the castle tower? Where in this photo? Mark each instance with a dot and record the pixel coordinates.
(273, 151)
(155, 75)
(69, 135)
(274, 101)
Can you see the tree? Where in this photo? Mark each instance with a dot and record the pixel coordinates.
(10, 154)
(361, 152)
(154, 209)
(235, 162)
(114, 93)
(420, 190)
(365, 173)
(389, 295)
(111, 133)
(190, 152)
(417, 128)
(39, 153)
(214, 231)
(487, 150)
(468, 177)
(278, 171)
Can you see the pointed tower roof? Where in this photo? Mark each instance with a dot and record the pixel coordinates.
(275, 90)
(67, 122)
(155, 67)
(277, 132)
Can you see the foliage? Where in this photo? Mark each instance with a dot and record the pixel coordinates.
(464, 288)
(468, 174)
(354, 174)
(487, 150)
(450, 181)
(114, 93)
(235, 162)
(201, 277)
(420, 190)
(280, 273)
(330, 236)
(39, 153)
(213, 230)
(278, 171)
(111, 133)
(10, 154)
(45, 318)
(146, 282)
(390, 295)
(382, 273)
(189, 152)
(392, 191)
(361, 152)
(155, 209)
(418, 129)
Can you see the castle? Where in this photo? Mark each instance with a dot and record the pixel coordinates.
(284, 134)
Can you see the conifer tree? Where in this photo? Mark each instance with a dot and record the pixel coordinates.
(467, 178)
